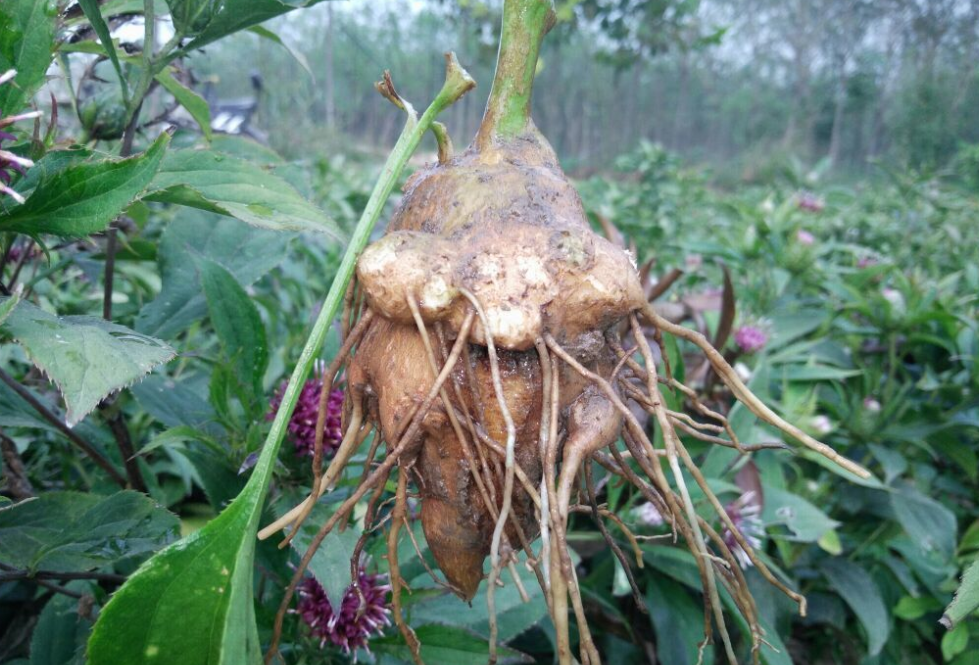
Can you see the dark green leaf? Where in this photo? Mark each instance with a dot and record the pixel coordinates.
(94, 16)
(7, 306)
(26, 44)
(173, 403)
(678, 621)
(860, 592)
(87, 358)
(238, 325)
(60, 634)
(246, 252)
(231, 186)
(190, 100)
(955, 641)
(84, 197)
(929, 524)
(190, 17)
(513, 616)
(72, 531)
(445, 645)
(235, 15)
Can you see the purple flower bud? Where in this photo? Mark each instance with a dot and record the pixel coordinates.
(649, 515)
(745, 514)
(866, 262)
(302, 425)
(870, 404)
(750, 339)
(804, 237)
(363, 612)
(11, 163)
(810, 202)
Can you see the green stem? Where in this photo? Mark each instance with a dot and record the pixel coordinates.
(525, 22)
(457, 83)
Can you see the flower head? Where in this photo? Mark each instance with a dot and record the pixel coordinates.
(821, 424)
(649, 515)
(750, 338)
(803, 237)
(302, 425)
(866, 262)
(871, 404)
(745, 514)
(363, 612)
(11, 163)
(809, 202)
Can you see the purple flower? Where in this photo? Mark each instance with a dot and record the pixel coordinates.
(649, 515)
(810, 202)
(804, 237)
(11, 163)
(745, 514)
(750, 339)
(302, 425)
(361, 614)
(866, 262)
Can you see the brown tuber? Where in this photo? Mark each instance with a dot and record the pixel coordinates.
(489, 361)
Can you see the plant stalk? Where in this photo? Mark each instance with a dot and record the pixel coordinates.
(525, 22)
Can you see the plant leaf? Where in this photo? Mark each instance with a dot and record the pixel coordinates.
(231, 186)
(966, 597)
(860, 592)
(930, 525)
(330, 564)
(244, 251)
(60, 632)
(74, 531)
(238, 325)
(234, 15)
(196, 588)
(807, 522)
(27, 45)
(445, 645)
(190, 100)
(88, 358)
(7, 306)
(262, 31)
(85, 196)
(94, 16)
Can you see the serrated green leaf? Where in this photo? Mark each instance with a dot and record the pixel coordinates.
(87, 358)
(246, 252)
(195, 104)
(861, 593)
(231, 186)
(72, 531)
(238, 325)
(445, 645)
(27, 45)
(94, 16)
(966, 599)
(85, 196)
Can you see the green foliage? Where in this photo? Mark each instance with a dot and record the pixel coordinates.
(85, 196)
(71, 531)
(26, 44)
(86, 357)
